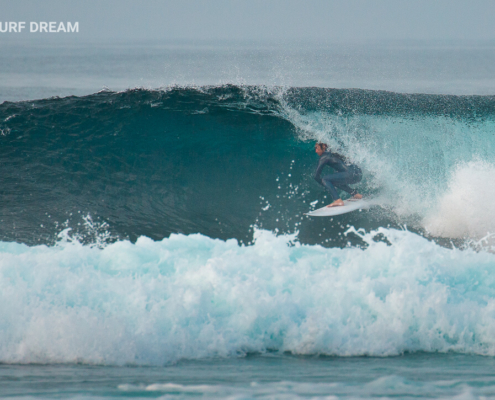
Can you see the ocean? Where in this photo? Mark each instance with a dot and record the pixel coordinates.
(153, 236)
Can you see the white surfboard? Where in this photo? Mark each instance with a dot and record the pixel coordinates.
(349, 205)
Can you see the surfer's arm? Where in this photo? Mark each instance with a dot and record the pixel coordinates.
(319, 168)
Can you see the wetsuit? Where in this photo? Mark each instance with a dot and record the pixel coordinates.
(345, 174)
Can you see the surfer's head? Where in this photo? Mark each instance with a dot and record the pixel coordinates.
(320, 148)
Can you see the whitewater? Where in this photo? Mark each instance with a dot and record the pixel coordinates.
(154, 242)
(193, 297)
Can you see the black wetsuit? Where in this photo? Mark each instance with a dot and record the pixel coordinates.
(345, 174)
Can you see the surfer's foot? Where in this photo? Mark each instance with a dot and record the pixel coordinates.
(338, 202)
(357, 196)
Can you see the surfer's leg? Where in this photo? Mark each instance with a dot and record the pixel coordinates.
(353, 192)
(346, 188)
(328, 182)
(342, 181)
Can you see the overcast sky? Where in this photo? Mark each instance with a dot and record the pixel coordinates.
(317, 20)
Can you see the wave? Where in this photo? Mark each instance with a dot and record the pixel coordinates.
(191, 297)
(218, 160)
(145, 227)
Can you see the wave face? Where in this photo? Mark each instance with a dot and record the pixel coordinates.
(145, 227)
(216, 160)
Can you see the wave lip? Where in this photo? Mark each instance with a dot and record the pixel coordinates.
(192, 297)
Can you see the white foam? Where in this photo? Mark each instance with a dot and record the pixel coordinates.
(384, 387)
(194, 297)
(466, 209)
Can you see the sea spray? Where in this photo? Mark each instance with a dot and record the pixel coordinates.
(466, 208)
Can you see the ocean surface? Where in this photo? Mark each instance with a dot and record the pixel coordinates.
(153, 241)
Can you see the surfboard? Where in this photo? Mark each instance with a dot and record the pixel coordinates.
(349, 205)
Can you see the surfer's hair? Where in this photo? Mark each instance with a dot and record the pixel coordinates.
(322, 146)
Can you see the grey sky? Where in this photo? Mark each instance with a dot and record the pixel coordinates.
(317, 20)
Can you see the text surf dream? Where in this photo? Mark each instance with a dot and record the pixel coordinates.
(39, 27)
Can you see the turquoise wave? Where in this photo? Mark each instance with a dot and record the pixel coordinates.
(218, 160)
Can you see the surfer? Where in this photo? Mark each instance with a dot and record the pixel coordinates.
(345, 174)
